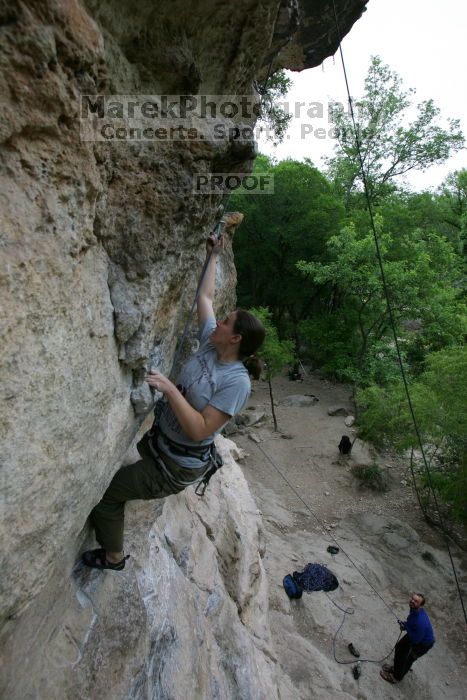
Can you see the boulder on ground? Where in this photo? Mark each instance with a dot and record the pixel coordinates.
(362, 453)
(242, 420)
(250, 417)
(319, 374)
(299, 400)
(230, 428)
(337, 411)
(238, 453)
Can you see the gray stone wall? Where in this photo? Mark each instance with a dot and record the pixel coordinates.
(100, 249)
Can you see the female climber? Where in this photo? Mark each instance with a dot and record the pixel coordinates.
(213, 385)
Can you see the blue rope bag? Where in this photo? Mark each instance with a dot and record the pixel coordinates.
(292, 588)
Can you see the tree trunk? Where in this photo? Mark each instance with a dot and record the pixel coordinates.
(276, 429)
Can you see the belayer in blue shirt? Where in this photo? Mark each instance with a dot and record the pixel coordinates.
(419, 639)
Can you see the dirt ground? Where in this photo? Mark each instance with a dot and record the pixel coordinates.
(384, 535)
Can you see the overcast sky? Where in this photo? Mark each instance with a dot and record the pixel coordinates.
(422, 40)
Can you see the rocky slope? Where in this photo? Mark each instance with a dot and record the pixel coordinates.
(101, 244)
(188, 618)
(387, 551)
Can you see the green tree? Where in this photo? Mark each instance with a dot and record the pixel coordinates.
(452, 200)
(438, 398)
(275, 353)
(391, 144)
(354, 331)
(278, 230)
(274, 119)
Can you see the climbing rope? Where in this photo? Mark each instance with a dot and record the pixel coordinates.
(217, 232)
(349, 610)
(329, 534)
(391, 316)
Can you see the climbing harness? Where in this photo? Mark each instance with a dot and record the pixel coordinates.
(216, 463)
(391, 317)
(205, 453)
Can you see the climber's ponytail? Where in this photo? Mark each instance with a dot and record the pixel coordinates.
(252, 331)
(254, 366)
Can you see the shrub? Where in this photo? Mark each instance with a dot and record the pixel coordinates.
(371, 477)
(438, 399)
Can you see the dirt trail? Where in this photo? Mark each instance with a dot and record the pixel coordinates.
(384, 534)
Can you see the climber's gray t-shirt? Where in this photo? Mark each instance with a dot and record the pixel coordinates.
(204, 380)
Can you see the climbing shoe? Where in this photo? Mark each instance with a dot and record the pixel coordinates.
(357, 670)
(96, 559)
(387, 675)
(332, 549)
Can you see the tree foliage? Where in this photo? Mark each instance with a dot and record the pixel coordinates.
(308, 253)
(275, 353)
(391, 144)
(420, 270)
(453, 207)
(278, 230)
(274, 119)
(438, 398)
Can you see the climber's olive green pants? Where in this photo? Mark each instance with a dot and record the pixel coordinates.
(144, 479)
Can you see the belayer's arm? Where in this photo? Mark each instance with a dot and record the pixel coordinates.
(214, 247)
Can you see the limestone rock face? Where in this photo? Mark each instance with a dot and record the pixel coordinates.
(306, 31)
(319, 36)
(101, 245)
(188, 617)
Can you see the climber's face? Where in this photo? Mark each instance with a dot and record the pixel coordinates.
(416, 602)
(224, 333)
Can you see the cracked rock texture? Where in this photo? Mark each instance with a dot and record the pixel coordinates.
(187, 618)
(100, 248)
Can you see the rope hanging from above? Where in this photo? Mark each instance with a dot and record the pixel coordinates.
(391, 314)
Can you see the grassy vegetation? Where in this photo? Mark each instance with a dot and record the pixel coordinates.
(371, 477)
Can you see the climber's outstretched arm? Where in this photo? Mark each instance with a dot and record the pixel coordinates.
(214, 246)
